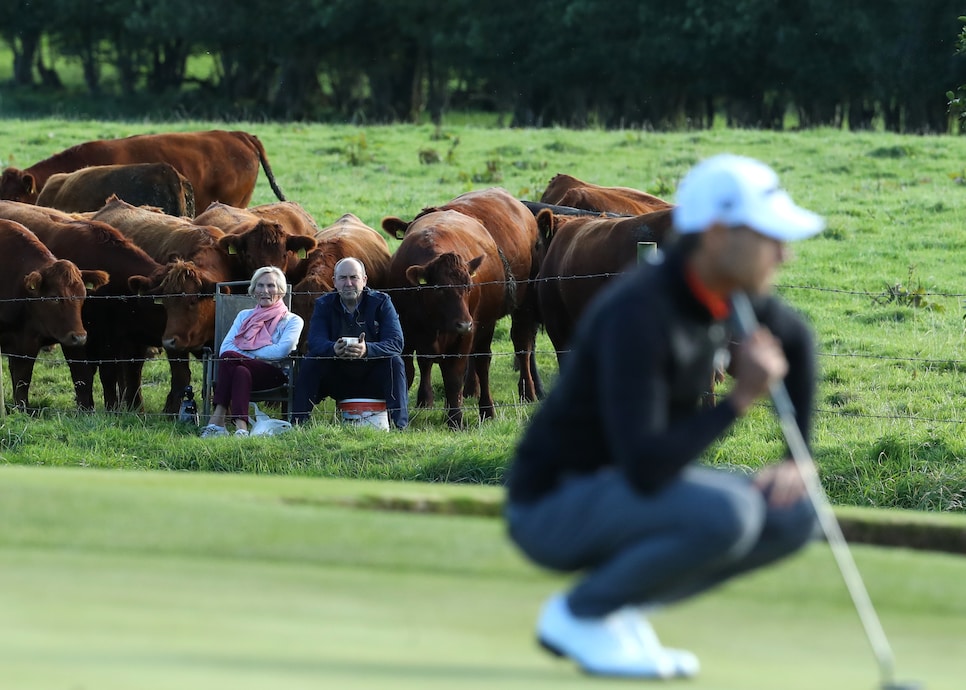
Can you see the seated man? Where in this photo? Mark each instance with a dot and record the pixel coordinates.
(371, 367)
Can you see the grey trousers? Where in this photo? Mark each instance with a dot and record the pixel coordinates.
(695, 533)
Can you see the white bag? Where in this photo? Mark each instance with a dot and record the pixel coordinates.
(263, 425)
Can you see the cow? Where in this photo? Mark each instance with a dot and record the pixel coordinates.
(221, 165)
(514, 230)
(41, 298)
(194, 264)
(121, 326)
(347, 236)
(582, 255)
(450, 287)
(565, 190)
(139, 184)
(267, 235)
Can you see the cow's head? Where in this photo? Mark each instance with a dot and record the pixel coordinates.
(187, 294)
(445, 285)
(264, 243)
(58, 291)
(17, 185)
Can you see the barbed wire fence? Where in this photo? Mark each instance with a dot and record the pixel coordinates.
(881, 297)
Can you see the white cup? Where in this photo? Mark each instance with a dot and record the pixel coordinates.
(347, 340)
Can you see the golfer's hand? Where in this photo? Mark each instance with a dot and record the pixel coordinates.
(758, 362)
(781, 484)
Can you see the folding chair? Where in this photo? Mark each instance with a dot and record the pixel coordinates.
(230, 298)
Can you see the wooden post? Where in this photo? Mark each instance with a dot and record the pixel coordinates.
(3, 403)
(645, 250)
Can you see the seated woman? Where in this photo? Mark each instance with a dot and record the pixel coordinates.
(257, 336)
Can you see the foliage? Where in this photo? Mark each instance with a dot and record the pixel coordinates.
(580, 63)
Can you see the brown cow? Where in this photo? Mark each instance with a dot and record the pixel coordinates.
(514, 229)
(41, 298)
(194, 264)
(221, 166)
(582, 255)
(119, 331)
(348, 236)
(266, 235)
(139, 184)
(565, 190)
(449, 286)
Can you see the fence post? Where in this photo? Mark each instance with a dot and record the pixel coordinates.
(645, 250)
(3, 403)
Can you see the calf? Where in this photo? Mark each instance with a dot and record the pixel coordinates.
(139, 184)
(221, 166)
(41, 298)
(450, 289)
(348, 236)
(121, 326)
(565, 190)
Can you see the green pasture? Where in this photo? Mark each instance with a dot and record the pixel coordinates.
(158, 580)
(883, 286)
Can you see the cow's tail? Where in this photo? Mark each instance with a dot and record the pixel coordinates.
(263, 157)
(509, 284)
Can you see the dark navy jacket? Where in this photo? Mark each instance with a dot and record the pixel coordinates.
(629, 396)
(375, 316)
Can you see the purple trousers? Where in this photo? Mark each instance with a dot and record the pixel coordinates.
(238, 376)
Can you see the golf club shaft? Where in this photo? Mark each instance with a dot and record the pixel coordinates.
(785, 410)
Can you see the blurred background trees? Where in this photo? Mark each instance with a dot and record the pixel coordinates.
(615, 63)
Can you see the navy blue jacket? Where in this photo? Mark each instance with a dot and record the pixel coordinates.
(375, 316)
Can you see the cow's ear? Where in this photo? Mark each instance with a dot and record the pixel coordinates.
(474, 265)
(416, 275)
(32, 282)
(139, 284)
(300, 244)
(228, 243)
(546, 225)
(30, 184)
(395, 227)
(94, 279)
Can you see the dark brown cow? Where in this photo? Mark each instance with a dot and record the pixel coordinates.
(565, 190)
(449, 286)
(268, 235)
(221, 166)
(348, 236)
(578, 246)
(194, 264)
(119, 331)
(41, 298)
(139, 184)
(514, 230)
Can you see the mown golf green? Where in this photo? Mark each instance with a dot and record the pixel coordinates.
(114, 579)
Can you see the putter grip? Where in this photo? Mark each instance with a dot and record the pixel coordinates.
(747, 323)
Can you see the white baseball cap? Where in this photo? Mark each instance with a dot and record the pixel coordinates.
(736, 191)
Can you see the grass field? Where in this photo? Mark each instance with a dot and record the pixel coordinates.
(117, 580)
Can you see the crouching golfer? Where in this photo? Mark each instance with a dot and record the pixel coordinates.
(606, 479)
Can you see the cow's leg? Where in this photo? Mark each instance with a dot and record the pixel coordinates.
(81, 375)
(482, 355)
(454, 372)
(129, 384)
(523, 335)
(424, 394)
(471, 380)
(21, 366)
(178, 363)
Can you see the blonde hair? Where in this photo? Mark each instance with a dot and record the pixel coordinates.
(275, 271)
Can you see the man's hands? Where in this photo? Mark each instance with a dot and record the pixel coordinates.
(356, 350)
(781, 484)
(758, 361)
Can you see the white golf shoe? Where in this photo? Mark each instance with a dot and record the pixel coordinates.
(607, 646)
(686, 664)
